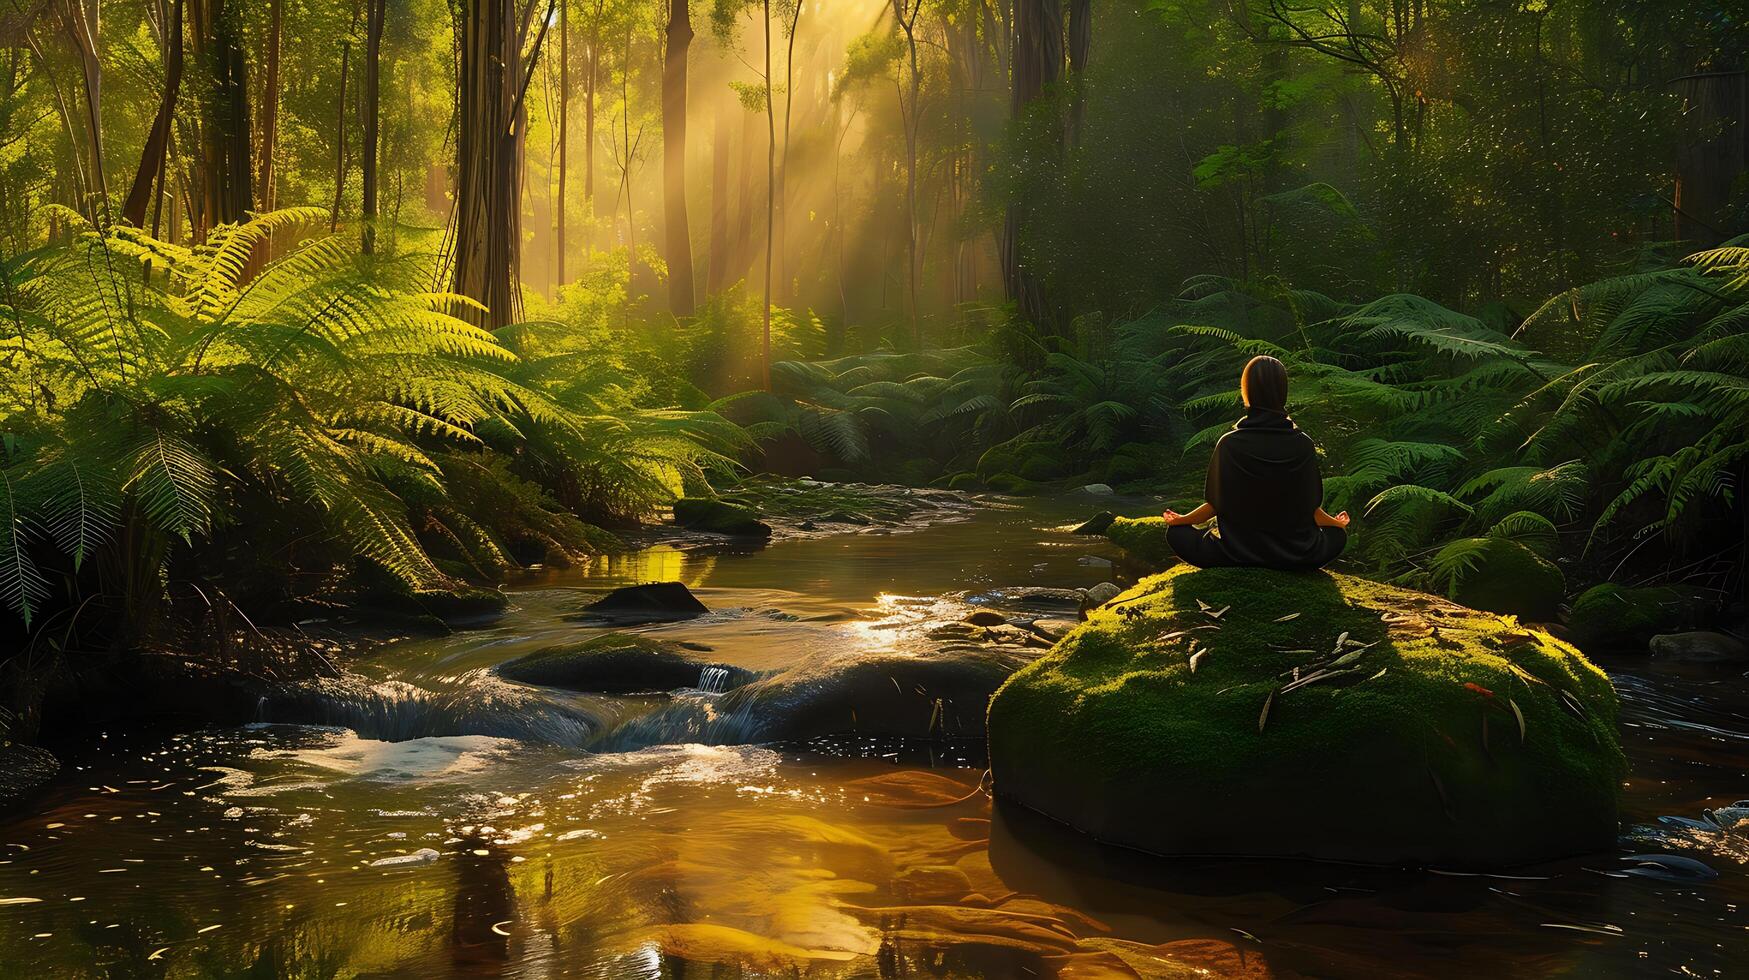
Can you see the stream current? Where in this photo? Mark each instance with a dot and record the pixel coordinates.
(433, 820)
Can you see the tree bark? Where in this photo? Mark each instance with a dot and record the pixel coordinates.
(564, 137)
(226, 175)
(266, 188)
(719, 257)
(340, 121)
(157, 147)
(770, 201)
(784, 290)
(679, 34)
(373, 49)
(910, 108)
(488, 196)
(1038, 62)
(1080, 47)
(589, 127)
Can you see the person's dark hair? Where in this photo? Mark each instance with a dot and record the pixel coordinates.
(1264, 384)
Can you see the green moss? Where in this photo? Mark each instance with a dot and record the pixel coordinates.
(965, 481)
(1114, 733)
(1613, 618)
(1507, 577)
(1143, 540)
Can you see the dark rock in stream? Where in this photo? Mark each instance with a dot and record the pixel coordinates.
(396, 711)
(654, 602)
(1700, 646)
(937, 695)
(721, 516)
(1097, 524)
(620, 664)
(23, 770)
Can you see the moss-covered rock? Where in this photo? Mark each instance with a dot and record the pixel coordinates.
(1504, 576)
(1611, 618)
(1143, 540)
(1171, 722)
(720, 516)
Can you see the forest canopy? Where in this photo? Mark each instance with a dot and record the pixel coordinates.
(466, 287)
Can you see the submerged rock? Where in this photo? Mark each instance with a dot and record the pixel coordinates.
(616, 663)
(652, 602)
(721, 516)
(23, 770)
(1700, 646)
(1095, 525)
(942, 694)
(1244, 711)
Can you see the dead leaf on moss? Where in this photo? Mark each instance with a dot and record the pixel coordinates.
(1516, 713)
(1289, 616)
(1263, 717)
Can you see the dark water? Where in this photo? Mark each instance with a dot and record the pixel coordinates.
(419, 839)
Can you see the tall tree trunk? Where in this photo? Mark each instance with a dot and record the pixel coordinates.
(1038, 62)
(80, 18)
(340, 121)
(266, 190)
(1709, 164)
(488, 196)
(226, 172)
(719, 257)
(910, 109)
(373, 50)
(589, 129)
(564, 138)
(152, 158)
(1080, 47)
(744, 210)
(784, 285)
(680, 287)
(770, 200)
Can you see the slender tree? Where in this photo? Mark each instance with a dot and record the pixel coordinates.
(152, 157)
(719, 253)
(905, 13)
(340, 119)
(373, 50)
(490, 87)
(226, 174)
(1037, 63)
(266, 189)
(564, 136)
(679, 38)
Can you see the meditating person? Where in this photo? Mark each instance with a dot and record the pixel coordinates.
(1263, 489)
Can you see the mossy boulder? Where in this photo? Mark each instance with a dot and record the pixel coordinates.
(1612, 618)
(1170, 722)
(1143, 540)
(720, 516)
(1504, 576)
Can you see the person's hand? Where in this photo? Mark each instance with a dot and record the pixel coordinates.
(1173, 518)
(1342, 519)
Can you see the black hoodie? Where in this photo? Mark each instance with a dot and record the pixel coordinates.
(1264, 485)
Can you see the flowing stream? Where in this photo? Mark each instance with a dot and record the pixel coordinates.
(429, 819)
